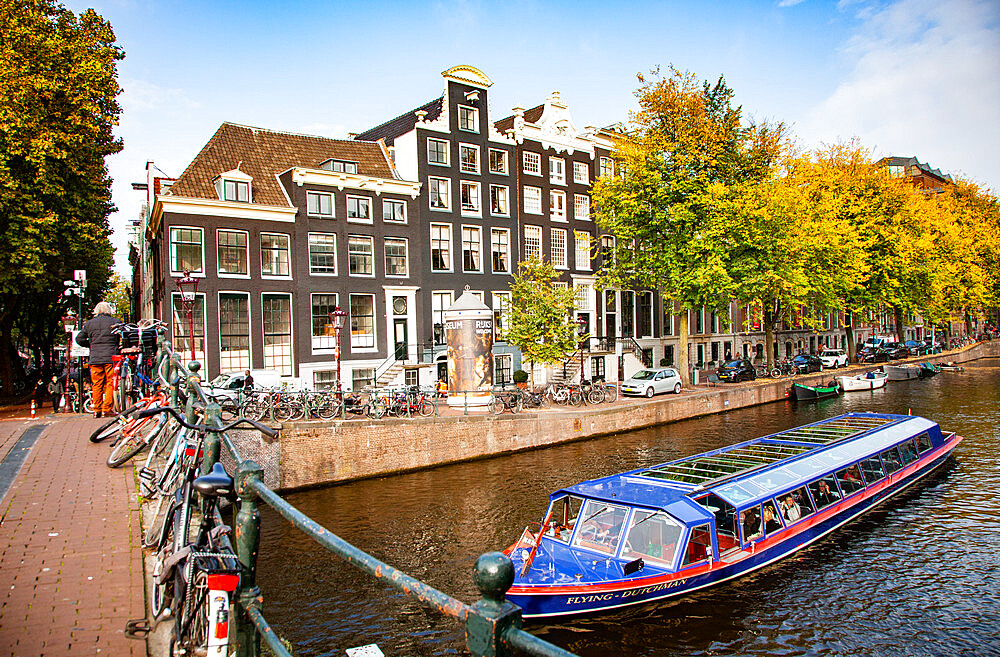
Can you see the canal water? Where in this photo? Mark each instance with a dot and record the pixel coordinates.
(918, 576)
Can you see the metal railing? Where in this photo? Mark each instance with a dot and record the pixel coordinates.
(492, 625)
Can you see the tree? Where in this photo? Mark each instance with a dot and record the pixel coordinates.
(120, 296)
(58, 107)
(540, 315)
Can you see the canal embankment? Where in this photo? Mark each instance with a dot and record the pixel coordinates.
(314, 453)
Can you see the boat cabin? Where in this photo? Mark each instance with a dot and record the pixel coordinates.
(714, 507)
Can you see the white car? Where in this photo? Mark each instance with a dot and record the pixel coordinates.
(650, 382)
(833, 358)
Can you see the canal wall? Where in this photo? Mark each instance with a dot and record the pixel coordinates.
(314, 453)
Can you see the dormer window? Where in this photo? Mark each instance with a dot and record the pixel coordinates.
(340, 166)
(235, 186)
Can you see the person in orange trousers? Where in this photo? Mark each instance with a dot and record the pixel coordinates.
(103, 343)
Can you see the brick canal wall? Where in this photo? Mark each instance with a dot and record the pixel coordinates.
(317, 452)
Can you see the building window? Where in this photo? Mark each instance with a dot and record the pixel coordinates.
(646, 315)
(340, 166)
(362, 377)
(557, 170)
(234, 332)
(319, 204)
(502, 369)
(236, 190)
(359, 208)
(557, 206)
(582, 239)
(440, 247)
(396, 260)
(533, 200)
(322, 253)
(324, 380)
(324, 336)
(472, 254)
(362, 321)
(607, 167)
(233, 252)
(597, 372)
(532, 242)
(557, 248)
(360, 255)
(470, 197)
(274, 256)
(581, 173)
(498, 200)
(500, 248)
(581, 207)
(182, 339)
(501, 314)
(468, 158)
(498, 161)
(185, 250)
(440, 194)
(583, 301)
(278, 333)
(607, 249)
(468, 119)
(394, 211)
(532, 163)
(440, 302)
(437, 152)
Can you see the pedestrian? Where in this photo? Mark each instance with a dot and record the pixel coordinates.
(247, 382)
(55, 388)
(103, 343)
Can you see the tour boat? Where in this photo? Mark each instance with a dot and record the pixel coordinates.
(666, 530)
(810, 393)
(869, 381)
(901, 372)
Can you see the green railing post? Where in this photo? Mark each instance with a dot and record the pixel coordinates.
(465, 402)
(247, 544)
(491, 617)
(213, 443)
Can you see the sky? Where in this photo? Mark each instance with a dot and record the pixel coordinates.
(912, 77)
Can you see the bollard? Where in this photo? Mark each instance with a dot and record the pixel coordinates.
(491, 617)
(247, 544)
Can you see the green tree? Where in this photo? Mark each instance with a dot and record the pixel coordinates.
(58, 108)
(540, 315)
(120, 296)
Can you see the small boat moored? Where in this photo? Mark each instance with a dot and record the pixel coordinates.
(666, 530)
(901, 372)
(809, 393)
(870, 381)
(928, 370)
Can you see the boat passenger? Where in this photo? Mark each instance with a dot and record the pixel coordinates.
(771, 522)
(751, 525)
(790, 509)
(824, 496)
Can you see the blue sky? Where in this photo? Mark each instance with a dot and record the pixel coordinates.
(912, 77)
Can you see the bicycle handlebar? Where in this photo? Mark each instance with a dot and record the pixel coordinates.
(149, 412)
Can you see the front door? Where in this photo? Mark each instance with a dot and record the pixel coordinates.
(399, 331)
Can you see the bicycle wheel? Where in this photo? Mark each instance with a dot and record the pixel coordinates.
(496, 406)
(88, 403)
(611, 394)
(425, 409)
(376, 410)
(595, 396)
(576, 398)
(108, 430)
(132, 443)
(518, 404)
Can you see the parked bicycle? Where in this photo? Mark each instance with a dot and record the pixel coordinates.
(506, 400)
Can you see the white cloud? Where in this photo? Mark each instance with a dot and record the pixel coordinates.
(923, 80)
(789, 3)
(139, 95)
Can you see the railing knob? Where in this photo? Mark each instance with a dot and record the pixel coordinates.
(493, 575)
(194, 366)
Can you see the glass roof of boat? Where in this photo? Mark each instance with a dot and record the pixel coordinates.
(709, 469)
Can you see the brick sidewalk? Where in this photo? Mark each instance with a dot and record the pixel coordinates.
(70, 561)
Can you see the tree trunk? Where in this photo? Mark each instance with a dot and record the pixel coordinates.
(769, 338)
(897, 314)
(852, 349)
(968, 324)
(683, 361)
(6, 349)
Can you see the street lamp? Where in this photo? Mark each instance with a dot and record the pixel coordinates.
(188, 286)
(337, 319)
(581, 322)
(69, 325)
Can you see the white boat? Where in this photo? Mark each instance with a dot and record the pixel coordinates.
(869, 381)
(901, 372)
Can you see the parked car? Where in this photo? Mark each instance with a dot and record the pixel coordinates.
(917, 347)
(736, 371)
(895, 350)
(873, 355)
(228, 384)
(833, 358)
(650, 382)
(805, 363)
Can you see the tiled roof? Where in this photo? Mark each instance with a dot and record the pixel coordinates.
(530, 116)
(263, 153)
(895, 160)
(402, 123)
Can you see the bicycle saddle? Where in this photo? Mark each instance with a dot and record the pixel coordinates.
(214, 484)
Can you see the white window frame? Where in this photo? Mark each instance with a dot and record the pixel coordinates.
(288, 240)
(505, 171)
(506, 201)
(322, 344)
(406, 256)
(581, 200)
(173, 250)
(246, 255)
(557, 170)
(249, 358)
(473, 186)
(291, 332)
(236, 186)
(536, 234)
(532, 195)
(531, 163)
(451, 250)
(336, 269)
(477, 230)
(324, 215)
(470, 148)
(179, 326)
(501, 308)
(446, 197)
(581, 258)
(394, 202)
(607, 167)
(358, 345)
(557, 252)
(557, 205)
(371, 254)
(475, 118)
(506, 249)
(360, 220)
(447, 152)
(581, 173)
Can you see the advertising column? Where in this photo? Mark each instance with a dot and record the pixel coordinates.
(468, 326)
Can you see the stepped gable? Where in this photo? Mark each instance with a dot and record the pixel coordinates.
(262, 154)
(403, 123)
(530, 116)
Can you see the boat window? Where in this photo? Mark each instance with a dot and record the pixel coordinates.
(890, 458)
(750, 524)
(872, 469)
(652, 535)
(699, 546)
(850, 479)
(923, 442)
(909, 452)
(795, 505)
(601, 526)
(772, 521)
(824, 492)
(725, 521)
(562, 517)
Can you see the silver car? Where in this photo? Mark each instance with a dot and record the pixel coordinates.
(650, 382)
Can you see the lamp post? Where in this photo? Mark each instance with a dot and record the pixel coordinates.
(337, 319)
(69, 324)
(188, 286)
(581, 322)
